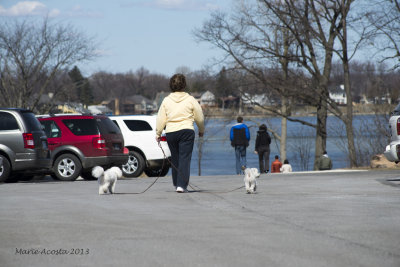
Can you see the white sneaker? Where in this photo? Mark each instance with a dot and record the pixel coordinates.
(180, 190)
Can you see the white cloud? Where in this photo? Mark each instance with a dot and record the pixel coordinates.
(26, 8)
(78, 11)
(169, 3)
(36, 8)
(198, 5)
(102, 52)
(54, 13)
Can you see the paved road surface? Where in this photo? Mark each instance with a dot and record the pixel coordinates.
(298, 219)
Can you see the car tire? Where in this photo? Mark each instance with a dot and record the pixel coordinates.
(135, 165)
(5, 169)
(155, 173)
(67, 167)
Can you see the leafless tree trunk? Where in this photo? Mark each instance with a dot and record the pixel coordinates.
(285, 105)
(283, 138)
(200, 143)
(348, 117)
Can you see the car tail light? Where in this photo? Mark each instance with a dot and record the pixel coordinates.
(28, 140)
(163, 138)
(99, 142)
(398, 126)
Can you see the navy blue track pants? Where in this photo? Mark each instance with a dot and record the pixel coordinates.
(181, 146)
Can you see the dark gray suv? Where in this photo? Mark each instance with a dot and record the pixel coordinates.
(23, 145)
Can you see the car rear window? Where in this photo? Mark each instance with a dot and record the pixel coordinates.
(7, 122)
(107, 126)
(31, 121)
(138, 125)
(82, 126)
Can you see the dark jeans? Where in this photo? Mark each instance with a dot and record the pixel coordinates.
(263, 159)
(181, 146)
(240, 153)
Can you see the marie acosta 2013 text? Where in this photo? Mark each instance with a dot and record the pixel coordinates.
(56, 252)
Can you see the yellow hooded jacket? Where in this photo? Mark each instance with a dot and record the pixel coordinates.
(178, 111)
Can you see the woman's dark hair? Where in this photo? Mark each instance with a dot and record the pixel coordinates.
(177, 83)
(263, 127)
(286, 161)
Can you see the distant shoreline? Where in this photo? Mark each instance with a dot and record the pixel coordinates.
(234, 115)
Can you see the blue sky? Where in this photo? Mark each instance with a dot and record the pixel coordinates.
(154, 34)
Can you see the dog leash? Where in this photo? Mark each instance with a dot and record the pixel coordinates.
(191, 185)
(138, 193)
(159, 175)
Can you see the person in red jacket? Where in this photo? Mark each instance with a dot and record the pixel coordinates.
(276, 165)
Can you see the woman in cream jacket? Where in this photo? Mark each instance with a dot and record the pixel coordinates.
(177, 113)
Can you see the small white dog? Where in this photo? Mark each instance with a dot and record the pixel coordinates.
(250, 175)
(107, 179)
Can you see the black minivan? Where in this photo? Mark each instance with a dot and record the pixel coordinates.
(23, 145)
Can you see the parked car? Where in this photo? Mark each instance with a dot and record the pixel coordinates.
(144, 153)
(23, 145)
(80, 142)
(392, 152)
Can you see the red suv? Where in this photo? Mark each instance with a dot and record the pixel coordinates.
(80, 142)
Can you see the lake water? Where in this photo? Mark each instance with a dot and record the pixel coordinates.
(219, 157)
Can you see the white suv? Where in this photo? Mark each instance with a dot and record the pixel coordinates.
(139, 133)
(392, 152)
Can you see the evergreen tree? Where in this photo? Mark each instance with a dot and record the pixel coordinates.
(82, 86)
(87, 93)
(223, 87)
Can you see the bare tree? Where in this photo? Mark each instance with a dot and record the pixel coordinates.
(343, 54)
(254, 43)
(384, 17)
(301, 147)
(310, 27)
(31, 55)
(200, 81)
(120, 85)
(371, 135)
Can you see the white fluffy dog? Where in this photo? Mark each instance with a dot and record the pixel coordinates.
(107, 179)
(250, 175)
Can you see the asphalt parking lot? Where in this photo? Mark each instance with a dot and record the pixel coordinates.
(341, 218)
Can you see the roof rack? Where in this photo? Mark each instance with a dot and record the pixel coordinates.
(63, 114)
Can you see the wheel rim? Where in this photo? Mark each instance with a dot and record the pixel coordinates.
(66, 167)
(131, 166)
(1, 170)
